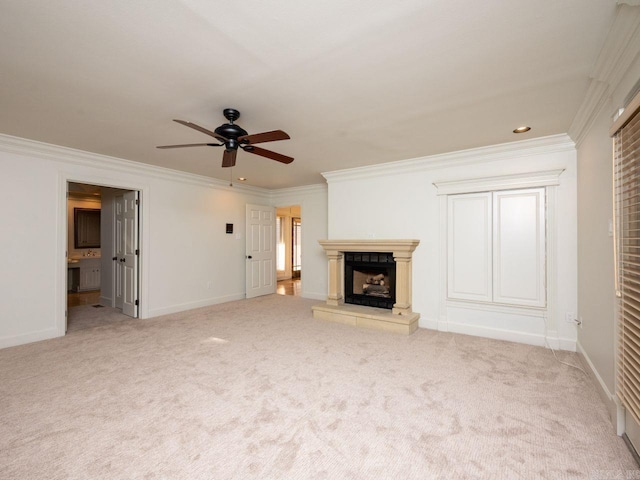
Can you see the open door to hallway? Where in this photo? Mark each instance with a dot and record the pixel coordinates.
(289, 249)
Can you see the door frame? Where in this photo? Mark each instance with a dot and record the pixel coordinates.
(61, 242)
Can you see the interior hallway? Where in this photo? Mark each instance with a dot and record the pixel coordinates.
(291, 286)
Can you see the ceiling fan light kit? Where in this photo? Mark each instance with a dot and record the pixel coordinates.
(233, 136)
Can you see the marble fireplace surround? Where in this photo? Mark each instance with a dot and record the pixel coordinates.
(401, 318)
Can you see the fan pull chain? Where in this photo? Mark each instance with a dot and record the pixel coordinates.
(231, 177)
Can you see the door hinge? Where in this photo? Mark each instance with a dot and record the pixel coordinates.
(136, 303)
(137, 252)
(137, 203)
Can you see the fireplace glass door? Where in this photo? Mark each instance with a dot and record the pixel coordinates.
(370, 279)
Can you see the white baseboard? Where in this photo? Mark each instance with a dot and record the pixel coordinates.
(314, 295)
(556, 343)
(610, 400)
(191, 305)
(428, 323)
(29, 337)
(106, 301)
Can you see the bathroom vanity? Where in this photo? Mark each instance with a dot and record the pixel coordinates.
(83, 274)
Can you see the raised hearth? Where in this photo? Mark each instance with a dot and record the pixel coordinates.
(401, 318)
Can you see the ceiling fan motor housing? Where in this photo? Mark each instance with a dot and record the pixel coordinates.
(231, 132)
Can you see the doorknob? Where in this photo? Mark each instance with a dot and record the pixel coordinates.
(122, 259)
(249, 256)
(114, 258)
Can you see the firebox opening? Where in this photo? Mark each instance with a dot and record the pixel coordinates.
(370, 279)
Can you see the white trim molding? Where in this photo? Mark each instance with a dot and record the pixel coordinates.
(65, 155)
(502, 182)
(620, 49)
(616, 410)
(475, 156)
(319, 188)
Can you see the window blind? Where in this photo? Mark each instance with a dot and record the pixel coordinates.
(626, 171)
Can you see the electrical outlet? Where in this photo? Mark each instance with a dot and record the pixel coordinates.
(570, 317)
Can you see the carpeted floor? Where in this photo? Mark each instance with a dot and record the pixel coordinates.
(91, 316)
(259, 389)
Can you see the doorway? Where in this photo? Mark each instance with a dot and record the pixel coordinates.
(289, 250)
(102, 255)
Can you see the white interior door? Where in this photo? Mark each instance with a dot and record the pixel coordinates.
(118, 250)
(130, 263)
(260, 251)
(126, 253)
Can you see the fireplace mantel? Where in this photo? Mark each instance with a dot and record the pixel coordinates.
(401, 318)
(401, 247)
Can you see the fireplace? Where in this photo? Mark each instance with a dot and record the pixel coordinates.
(370, 284)
(370, 279)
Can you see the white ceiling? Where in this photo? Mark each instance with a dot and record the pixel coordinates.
(353, 82)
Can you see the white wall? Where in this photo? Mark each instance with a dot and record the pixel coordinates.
(313, 208)
(187, 259)
(613, 77)
(29, 242)
(192, 261)
(399, 201)
(596, 298)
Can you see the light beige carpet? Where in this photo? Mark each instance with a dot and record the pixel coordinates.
(90, 316)
(259, 389)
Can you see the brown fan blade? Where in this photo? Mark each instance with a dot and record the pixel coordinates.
(229, 158)
(264, 137)
(201, 129)
(269, 154)
(192, 145)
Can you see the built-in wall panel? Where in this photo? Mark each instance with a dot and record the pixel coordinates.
(496, 247)
(470, 246)
(519, 247)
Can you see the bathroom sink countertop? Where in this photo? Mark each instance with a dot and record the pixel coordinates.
(80, 259)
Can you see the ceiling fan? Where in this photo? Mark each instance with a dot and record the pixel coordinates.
(233, 136)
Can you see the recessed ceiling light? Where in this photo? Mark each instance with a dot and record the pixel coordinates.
(242, 179)
(522, 129)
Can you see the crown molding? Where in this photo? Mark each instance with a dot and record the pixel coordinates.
(503, 182)
(595, 100)
(318, 188)
(71, 156)
(620, 48)
(475, 156)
